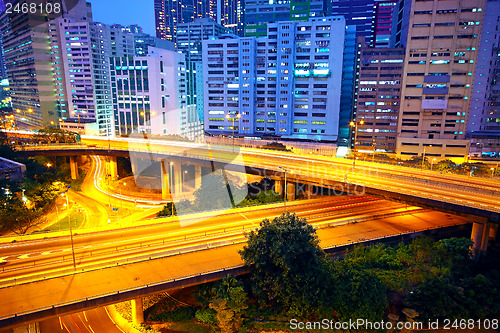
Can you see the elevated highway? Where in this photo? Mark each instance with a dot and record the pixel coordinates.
(453, 193)
(39, 281)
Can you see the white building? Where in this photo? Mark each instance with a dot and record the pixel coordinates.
(81, 50)
(150, 95)
(287, 84)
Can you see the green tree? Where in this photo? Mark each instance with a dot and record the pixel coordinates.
(216, 192)
(168, 210)
(230, 303)
(16, 217)
(358, 293)
(286, 262)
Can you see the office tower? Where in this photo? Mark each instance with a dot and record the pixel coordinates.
(150, 93)
(81, 70)
(348, 86)
(400, 22)
(484, 118)
(232, 15)
(169, 14)
(189, 41)
(382, 23)
(287, 84)
(356, 12)
(379, 96)
(143, 41)
(28, 62)
(3, 72)
(259, 13)
(441, 54)
(134, 28)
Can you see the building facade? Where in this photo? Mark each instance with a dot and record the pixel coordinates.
(287, 84)
(441, 54)
(170, 14)
(379, 98)
(356, 12)
(484, 119)
(189, 42)
(81, 71)
(259, 13)
(149, 95)
(382, 23)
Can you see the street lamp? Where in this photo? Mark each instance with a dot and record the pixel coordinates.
(228, 117)
(432, 162)
(285, 191)
(70, 228)
(492, 171)
(355, 125)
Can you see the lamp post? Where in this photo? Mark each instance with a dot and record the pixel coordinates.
(432, 162)
(355, 125)
(228, 117)
(184, 178)
(492, 172)
(70, 228)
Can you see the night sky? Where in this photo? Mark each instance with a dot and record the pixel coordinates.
(125, 12)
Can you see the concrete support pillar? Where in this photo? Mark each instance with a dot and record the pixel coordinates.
(197, 176)
(165, 181)
(134, 163)
(177, 171)
(480, 236)
(290, 191)
(73, 165)
(278, 187)
(112, 167)
(137, 311)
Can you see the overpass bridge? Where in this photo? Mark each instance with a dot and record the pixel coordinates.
(448, 192)
(131, 273)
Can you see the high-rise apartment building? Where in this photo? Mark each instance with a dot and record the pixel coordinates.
(29, 61)
(287, 84)
(259, 13)
(348, 86)
(379, 98)
(356, 12)
(189, 41)
(149, 95)
(440, 63)
(382, 23)
(169, 14)
(143, 41)
(3, 73)
(484, 118)
(81, 71)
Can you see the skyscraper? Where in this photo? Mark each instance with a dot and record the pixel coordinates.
(258, 13)
(150, 95)
(189, 41)
(29, 62)
(484, 118)
(169, 14)
(379, 95)
(287, 84)
(356, 12)
(382, 23)
(440, 63)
